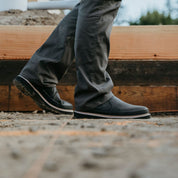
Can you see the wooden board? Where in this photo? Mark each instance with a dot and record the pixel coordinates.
(4, 98)
(122, 72)
(158, 99)
(20, 102)
(135, 42)
(144, 42)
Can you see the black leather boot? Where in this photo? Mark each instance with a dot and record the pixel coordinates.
(46, 98)
(115, 108)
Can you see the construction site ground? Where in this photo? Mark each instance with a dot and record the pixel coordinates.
(46, 145)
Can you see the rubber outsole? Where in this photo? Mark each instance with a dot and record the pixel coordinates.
(79, 115)
(29, 90)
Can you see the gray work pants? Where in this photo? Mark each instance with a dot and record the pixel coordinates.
(84, 35)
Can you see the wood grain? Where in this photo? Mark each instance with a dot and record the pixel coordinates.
(4, 98)
(144, 42)
(20, 102)
(157, 99)
(135, 42)
(122, 72)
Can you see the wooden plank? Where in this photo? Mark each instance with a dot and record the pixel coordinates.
(20, 42)
(122, 72)
(158, 99)
(135, 42)
(143, 73)
(20, 102)
(9, 69)
(144, 42)
(4, 98)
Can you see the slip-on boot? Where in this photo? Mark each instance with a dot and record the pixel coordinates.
(115, 108)
(46, 98)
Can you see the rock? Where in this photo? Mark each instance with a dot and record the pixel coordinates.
(68, 123)
(99, 152)
(53, 123)
(132, 136)
(103, 130)
(32, 129)
(51, 166)
(35, 112)
(134, 175)
(15, 154)
(90, 126)
(89, 165)
(82, 126)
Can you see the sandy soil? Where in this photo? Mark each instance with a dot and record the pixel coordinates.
(47, 145)
(31, 17)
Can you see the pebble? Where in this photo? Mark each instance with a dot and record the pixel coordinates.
(70, 123)
(82, 126)
(99, 152)
(90, 126)
(89, 165)
(124, 127)
(53, 123)
(103, 130)
(134, 175)
(32, 129)
(51, 166)
(35, 112)
(44, 112)
(15, 154)
(132, 136)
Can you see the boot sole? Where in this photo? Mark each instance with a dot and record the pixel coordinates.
(79, 115)
(29, 90)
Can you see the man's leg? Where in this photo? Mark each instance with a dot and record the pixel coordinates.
(49, 63)
(93, 96)
(51, 60)
(95, 20)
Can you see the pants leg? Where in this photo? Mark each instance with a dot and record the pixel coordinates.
(51, 60)
(92, 46)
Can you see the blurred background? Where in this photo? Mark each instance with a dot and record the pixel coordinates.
(137, 12)
(148, 12)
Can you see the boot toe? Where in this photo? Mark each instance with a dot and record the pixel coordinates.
(67, 105)
(136, 110)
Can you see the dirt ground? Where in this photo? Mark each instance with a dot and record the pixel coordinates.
(46, 145)
(30, 17)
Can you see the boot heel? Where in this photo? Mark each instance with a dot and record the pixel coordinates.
(21, 87)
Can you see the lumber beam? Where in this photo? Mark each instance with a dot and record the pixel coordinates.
(145, 42)
(128, 73)
(4, 97)
(135, 42)
(156, 98)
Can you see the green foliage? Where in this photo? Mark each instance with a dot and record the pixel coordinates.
(155, 18)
